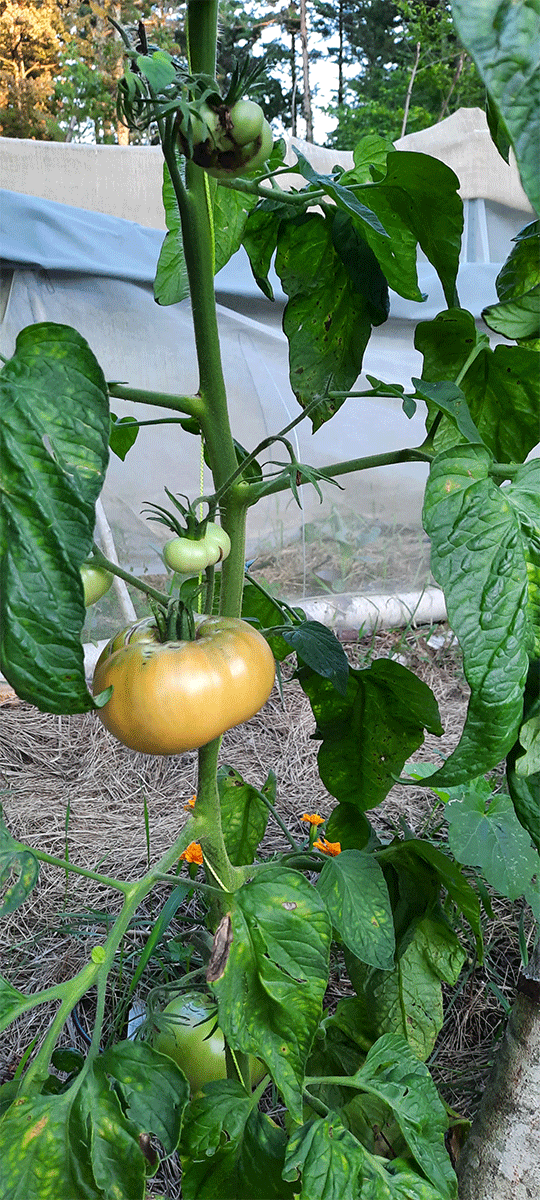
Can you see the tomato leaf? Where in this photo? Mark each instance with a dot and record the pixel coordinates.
(524, 785)
(123, 434)
(62, 1145)
(230, 1149)
(368, 734)
(171, 283)
(494, 840)
(500, 386)
(317, 647)
(362, 267)
(155, 1090)
(244, 815)
(354, 890)
(283, 971)
(517, 315)
(326, 320)
(450, 877)
(449, 399)
(347, 825)
(418, 204)
(327, 1158)
(393, 1074)
(262, 611)
(331, 1161)
(502, 39)
(230, 210)
(55, 424)
(260, 241)
(486, 556)
(408, 1000)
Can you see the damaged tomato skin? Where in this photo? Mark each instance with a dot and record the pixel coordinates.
(169, 697)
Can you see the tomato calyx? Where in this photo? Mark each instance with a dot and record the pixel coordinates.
(175, 623)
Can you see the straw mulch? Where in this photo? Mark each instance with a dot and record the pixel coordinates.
(70, 788)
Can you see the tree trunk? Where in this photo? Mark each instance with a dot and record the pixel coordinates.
(409, 90)
(305, 67)
(340, 55)
(501, 1157)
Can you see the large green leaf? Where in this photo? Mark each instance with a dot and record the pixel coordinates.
(328, 1159)
(54, 452)
(155, 1091)
(393, 1074)
(171, 283)
(368, 734)
(230, 213)
(517, 315)
(326, 320)
(500, 386)
(408, 1000)
(503, 38)
(260, 241)
(82, 1143)
(524, 784)
(407, 853)
(486, 561)
(333, 1163)
(244, 815)
(494, 840)
(230, 1149)
(423, 192)
(271, 988)
(356, 896)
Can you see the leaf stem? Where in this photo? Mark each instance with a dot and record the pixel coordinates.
(67, 865)
(189, 405)
(391, 457)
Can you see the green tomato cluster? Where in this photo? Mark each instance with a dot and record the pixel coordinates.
(189, 556)
(227, 141)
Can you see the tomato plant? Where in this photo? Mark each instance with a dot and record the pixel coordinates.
(392, 913)
(96, 582)
(173, 696)
(188, 1032)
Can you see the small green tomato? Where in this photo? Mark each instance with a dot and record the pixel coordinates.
(96, 581)
(246, 122)
(189, 556)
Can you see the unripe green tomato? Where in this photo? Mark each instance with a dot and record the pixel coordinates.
(185, 1038)
(96, 581)
(188, 555)
(246, 122)
(253, 156)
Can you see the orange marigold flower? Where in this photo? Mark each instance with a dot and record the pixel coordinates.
(193, 854)
(313, 818)
(190, 803)
(332, 848)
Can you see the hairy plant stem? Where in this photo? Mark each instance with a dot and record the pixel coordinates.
(281, 484)
(206, 824)
(190, 406)
(96, 971)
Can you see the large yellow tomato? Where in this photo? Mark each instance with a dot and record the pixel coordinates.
(173, 696)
